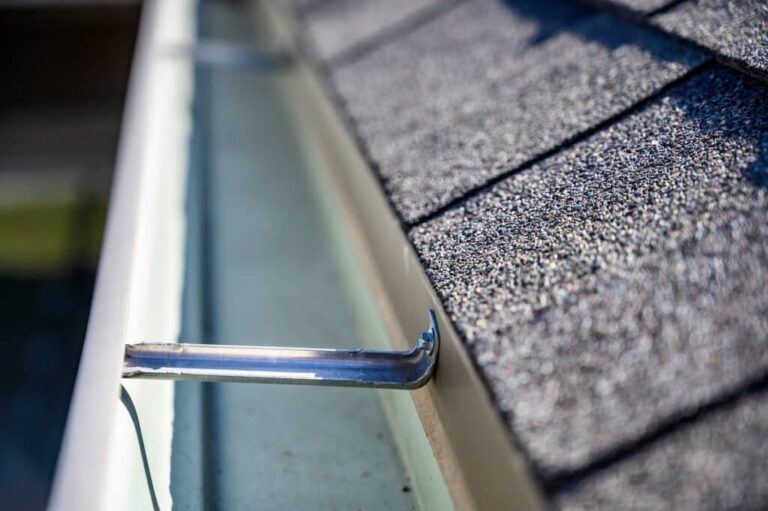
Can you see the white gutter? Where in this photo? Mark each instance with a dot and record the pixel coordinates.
(138, 286)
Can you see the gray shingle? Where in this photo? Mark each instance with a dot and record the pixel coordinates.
(622, 281)
(340, 25)
(718, 462)
(485, 88)
(301, 6)
(738, 29)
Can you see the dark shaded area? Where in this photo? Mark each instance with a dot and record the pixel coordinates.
(65, 72)
(44, 323)
(554, 17)
(635, 8)
(85, 50)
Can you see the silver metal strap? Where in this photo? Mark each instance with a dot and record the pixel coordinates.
(303, 366)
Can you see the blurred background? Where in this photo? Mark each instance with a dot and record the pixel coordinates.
(65, 69)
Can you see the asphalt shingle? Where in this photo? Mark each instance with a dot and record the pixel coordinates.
(344, 24)
(737, 30)
(486, 87)
(302, 6)
(622, 282)
(719, 462)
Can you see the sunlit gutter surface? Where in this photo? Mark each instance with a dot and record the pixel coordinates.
(82, 458)
(137, 290)
(482, 467)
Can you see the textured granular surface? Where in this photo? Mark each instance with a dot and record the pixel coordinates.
(718, 463)
(736, 29)
(486, 87)
(622, 282)
(345, 24)
(589, 197)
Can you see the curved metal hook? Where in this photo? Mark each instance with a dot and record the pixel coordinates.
(303, 366)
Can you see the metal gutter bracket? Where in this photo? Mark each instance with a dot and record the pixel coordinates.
(299, 366)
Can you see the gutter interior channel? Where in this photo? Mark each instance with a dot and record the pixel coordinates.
(267, 264)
